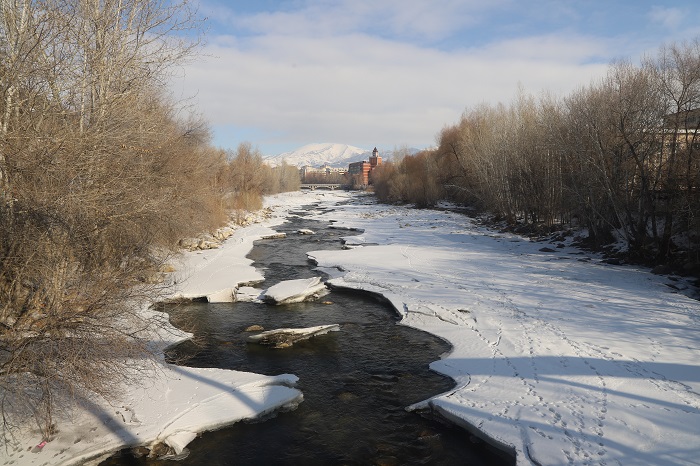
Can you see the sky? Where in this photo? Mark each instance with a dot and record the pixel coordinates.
(393, 73)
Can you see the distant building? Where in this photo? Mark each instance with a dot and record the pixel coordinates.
(688, 120)
(362, 171)
(375, 160)
(325, 170)
(679, 139)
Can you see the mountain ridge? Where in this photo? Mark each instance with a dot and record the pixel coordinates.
(317, 154)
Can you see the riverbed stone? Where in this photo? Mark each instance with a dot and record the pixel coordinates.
(189, 244)
(140, 452)
(286, 337)
(275, 236)
(347, 396)
(159, 449)
(168, 268)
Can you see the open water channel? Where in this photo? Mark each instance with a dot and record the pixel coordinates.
(356, 382)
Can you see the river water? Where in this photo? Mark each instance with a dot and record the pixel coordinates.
(356, 382)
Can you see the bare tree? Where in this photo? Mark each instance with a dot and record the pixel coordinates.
(676, 70)
(98, 180)
(621, 155)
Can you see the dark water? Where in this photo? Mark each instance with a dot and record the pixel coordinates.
(356, 382)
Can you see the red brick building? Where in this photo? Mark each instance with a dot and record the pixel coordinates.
(362, 171)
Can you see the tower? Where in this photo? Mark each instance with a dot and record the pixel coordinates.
(375, 159)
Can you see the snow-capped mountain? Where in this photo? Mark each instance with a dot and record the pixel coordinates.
(315, 155)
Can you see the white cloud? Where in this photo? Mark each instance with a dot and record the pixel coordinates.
(363, 90)
(670, 18)
(400, 18)
(369, 72)
(561, 47)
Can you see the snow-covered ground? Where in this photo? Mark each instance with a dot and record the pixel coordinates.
(172, 403)
(294, 291)
(556, 356)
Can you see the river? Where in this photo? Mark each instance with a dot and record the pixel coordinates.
(356, 382)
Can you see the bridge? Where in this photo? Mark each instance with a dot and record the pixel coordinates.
(315, 186)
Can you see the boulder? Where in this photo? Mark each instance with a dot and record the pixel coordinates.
(286, 337)
(274, 236)
(189, 244)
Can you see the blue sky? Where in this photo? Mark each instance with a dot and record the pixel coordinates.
(392, 73)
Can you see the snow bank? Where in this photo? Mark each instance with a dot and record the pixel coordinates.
(172, 403)
(247, 294)
(294, 291)
(558, 357)
(215, 274)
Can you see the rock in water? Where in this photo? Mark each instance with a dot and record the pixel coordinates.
(286, 337)
(274, 236)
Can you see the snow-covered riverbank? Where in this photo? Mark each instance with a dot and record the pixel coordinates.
(173, 403)
(557, 356)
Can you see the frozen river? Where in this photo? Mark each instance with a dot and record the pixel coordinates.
(356, 382)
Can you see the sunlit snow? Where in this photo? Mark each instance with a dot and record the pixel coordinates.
(294, 291)
(557, 356)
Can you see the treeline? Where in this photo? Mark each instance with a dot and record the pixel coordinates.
(327, 178)
(620, 157)
(100, 176)
(248, 178)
